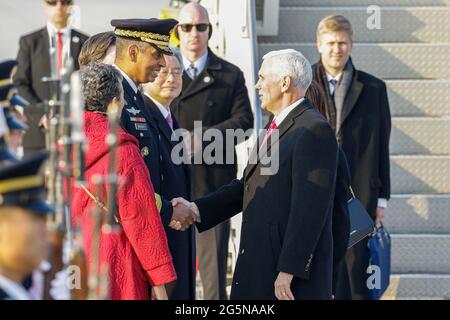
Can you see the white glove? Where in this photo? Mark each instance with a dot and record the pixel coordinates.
(37, 287)
(59, 289)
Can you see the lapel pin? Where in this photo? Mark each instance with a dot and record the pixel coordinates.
(75, 39)
(207, 79)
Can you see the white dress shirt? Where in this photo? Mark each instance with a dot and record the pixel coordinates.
(14, 290)
(199, 64)
(329, 78)
(66, 39)
(283, 114)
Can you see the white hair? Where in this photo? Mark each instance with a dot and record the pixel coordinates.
(290, 62)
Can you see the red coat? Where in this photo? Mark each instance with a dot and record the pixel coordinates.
(139, 255)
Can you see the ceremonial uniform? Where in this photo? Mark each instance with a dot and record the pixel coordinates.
(136, 119)
(21, 185)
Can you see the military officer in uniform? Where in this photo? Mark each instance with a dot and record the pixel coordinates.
(140, 48)
(23, 231)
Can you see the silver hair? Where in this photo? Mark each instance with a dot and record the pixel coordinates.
(290, 62)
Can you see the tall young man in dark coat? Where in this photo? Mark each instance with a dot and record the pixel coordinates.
(358, 109)
(35, 62)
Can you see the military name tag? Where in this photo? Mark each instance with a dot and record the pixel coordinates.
(141, 126)
(137, 119)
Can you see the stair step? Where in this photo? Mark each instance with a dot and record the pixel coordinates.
(419, 97)
(420, 136)
(420, 253)
(365, 3)
(418, 286)
(386, 61)
(418, 24)
(420, 174)
(418, 214)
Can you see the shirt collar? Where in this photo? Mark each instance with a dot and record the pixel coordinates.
(199, 64)
(164, 111)
(283, 114)
(130, 82)
(52, 29)
(13, 289)
(330, 77)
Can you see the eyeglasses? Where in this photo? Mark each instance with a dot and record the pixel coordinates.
(201, 27)
(165, 73)
(54, 2)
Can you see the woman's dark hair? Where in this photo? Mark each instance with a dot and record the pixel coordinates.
(316, 95)
(101, 84)
(96, 47)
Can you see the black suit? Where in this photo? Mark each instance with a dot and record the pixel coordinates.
(217, 97)
(364, 137)
(176, 183)
(34, 64)
(286, 222)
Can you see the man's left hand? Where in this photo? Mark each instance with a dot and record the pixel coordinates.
(283, 286)
(379, 215)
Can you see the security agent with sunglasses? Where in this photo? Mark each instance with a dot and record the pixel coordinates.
(23, 231)
(213, 92)
(34, 63)
(140, 48)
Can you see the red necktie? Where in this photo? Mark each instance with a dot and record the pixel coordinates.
(272, 126)
(59, 48)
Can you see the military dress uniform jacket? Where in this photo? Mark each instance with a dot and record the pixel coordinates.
(33, 61)
(286, 222)
(137, 121)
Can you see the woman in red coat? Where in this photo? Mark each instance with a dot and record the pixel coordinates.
(138, 256)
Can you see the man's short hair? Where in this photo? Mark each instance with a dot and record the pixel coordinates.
(334, 23)
(290, 62)
(122, 45)
(96, 47)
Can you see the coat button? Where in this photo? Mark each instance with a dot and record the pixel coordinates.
(210, 103)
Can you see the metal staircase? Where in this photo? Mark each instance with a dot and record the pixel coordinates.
(410, 52)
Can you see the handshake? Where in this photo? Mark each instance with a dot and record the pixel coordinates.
(184, 214)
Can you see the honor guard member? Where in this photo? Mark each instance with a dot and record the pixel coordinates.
(10, 99)
(23, 231)
(140, 48)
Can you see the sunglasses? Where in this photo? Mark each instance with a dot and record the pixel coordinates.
(187, 27)
(54, 2)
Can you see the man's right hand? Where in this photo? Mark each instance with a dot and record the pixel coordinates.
(43, 123)
(184, 214)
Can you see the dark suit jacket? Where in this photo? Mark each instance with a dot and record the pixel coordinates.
(286, 222)
(217, 97)
(176, 183)
(364, 136)
(34, 64)
(137, 121)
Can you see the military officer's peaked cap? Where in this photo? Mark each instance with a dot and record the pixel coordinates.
(6, 71)
(22, 184)
(153, 31)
